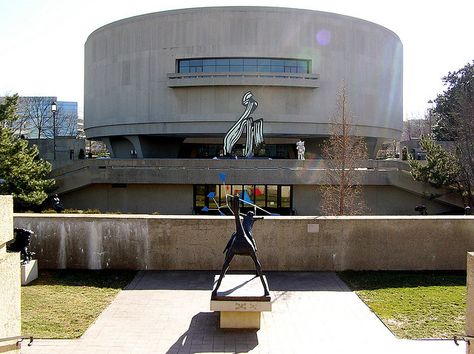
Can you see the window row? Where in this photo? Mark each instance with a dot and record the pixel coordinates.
(273, 198)
(243, 65)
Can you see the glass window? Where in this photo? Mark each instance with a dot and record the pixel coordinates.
(248, 193)
(260, 195)
(200, 195)
(236, 189)
(278, 69)
(250, 69)
(264, 68)
(243, 65)
(209, 62)
(250, 61)
(222, 61)
(285, 196)
(272, 196)
(278, 62)
(237, 61)
(222, 68)
(195, 62)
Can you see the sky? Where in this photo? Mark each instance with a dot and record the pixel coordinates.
(42, 41)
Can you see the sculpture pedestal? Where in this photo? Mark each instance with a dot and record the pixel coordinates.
(29, 272)
(240, 301)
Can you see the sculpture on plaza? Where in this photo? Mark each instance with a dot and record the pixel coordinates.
(301, 149)
(253, 129)
(21, 244)
(241, 243)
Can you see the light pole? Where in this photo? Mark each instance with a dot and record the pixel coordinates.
(431, 113)
(54, 108)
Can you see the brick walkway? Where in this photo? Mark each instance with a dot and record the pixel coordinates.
(168, 312)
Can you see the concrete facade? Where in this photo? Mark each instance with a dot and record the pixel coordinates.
(166, 185)
(10, 310)
(302, 243)
(135, 98)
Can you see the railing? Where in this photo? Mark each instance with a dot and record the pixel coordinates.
(207, 164)
(18, 339)
(243, 78)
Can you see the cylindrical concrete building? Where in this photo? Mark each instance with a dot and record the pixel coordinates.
(170, 84)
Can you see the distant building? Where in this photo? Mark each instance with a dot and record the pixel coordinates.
(36, 119)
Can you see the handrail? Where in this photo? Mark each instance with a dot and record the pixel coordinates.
(18, 339)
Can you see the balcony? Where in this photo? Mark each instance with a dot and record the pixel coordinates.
(176, 80)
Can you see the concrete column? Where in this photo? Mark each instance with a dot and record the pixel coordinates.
(135, 140)
(10, 315)
(470, 302)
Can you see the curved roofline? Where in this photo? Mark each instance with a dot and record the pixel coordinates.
(233, 8)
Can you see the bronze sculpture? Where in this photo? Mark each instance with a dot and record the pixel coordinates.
(21, 243)
(241, 243)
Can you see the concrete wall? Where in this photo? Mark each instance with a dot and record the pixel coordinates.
(470, 302)
(132, 198)
(284, 243)
(10, 310)
(381, 200)
(127, 90)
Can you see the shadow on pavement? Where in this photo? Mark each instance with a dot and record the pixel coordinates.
(204, 336)
(204, 280)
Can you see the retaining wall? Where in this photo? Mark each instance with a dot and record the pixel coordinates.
(10, 287)
(284, 243)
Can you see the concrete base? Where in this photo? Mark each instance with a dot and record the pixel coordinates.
(29, 272)
(240, 301)
(239, 320)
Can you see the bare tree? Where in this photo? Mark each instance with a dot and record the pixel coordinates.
(342, 195)
(35, 118)
(414, 128)
(35, 112)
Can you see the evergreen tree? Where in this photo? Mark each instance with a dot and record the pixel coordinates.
(23, 175)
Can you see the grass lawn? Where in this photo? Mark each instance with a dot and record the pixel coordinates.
(64, 303)
(414, 304)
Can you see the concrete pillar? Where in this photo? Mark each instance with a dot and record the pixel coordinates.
(470, 303)
(135, 140)
(10, 315)
(108, 144)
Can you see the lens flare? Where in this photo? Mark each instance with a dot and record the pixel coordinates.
(323, 37)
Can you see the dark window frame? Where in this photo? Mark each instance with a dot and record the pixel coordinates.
(302, 66)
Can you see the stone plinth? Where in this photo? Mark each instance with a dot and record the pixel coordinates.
(240, 301)
(470, 302)
(10, 319)
(29, 272)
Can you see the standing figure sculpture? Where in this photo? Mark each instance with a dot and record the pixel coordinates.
(254, 129)
(242, 244)
(301, 149)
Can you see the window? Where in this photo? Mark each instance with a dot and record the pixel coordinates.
(273, 198)
(219, 65)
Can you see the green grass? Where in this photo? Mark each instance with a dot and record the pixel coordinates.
(414, 305)
(64, 303)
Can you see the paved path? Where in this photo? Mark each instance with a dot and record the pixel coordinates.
(168, 312)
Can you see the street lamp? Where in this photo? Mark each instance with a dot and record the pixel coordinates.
(431, 114)
(54, 108)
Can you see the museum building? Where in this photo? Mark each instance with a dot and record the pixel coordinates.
(241, 84)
